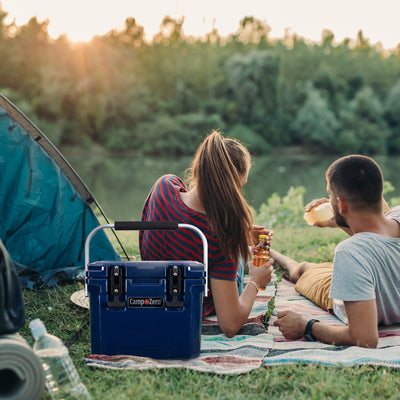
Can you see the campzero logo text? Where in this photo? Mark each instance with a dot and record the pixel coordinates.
(146, 302)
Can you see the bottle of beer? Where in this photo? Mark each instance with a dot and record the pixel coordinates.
(261, 253)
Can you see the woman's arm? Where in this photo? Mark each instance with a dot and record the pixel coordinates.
(232, 310)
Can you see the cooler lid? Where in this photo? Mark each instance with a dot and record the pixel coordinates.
(146, 269)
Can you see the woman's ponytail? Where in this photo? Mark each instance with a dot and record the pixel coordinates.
(218, 170)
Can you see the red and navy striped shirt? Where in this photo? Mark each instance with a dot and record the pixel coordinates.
(164, 204)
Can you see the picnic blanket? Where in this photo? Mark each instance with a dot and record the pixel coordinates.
(300, 351)
(218, 354)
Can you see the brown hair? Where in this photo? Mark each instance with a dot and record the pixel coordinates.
(358, 179)
(217, 170)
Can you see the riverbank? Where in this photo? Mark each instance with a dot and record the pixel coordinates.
(121, 181)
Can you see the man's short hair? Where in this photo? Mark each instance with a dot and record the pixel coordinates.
(357, 179)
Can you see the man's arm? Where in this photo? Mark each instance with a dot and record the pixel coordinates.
(362, 329)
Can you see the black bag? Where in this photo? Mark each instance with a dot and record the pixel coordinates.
(12, 310)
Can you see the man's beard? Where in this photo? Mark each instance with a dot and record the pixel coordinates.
(340, 220)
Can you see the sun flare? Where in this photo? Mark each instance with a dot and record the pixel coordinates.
(80, 20)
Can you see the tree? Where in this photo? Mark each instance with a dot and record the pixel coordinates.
(327, 39)
(330, 86)
(252, 31)
(392, 109)
(255, 82)
(315, 123)
(365, 130)
(132, 35)
(171, 31)
(33, 42)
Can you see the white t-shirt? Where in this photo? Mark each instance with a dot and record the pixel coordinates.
(366, 267)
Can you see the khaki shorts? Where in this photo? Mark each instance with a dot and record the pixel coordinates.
(315, 284)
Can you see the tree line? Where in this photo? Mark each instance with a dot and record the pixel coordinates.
(158, 97)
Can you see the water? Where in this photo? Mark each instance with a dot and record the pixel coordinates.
(121, 184)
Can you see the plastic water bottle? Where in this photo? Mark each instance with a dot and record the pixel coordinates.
(61, 377)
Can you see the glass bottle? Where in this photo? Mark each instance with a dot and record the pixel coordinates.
(261, 253)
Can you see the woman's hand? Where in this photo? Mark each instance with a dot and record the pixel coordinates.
(260, 230)
(261, 275)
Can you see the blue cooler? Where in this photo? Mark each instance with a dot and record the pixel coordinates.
(146, 308)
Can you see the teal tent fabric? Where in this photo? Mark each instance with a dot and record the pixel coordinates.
(45, 209)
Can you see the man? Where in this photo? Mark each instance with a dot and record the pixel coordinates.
(365, 274)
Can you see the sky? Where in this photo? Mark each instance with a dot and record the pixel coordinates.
(82, 19)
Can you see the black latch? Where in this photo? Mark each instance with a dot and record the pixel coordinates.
(175, 287)
(116, 287)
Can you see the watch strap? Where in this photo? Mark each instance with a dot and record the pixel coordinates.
(308, 331)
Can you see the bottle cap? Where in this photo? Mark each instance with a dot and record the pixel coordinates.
(37, 328)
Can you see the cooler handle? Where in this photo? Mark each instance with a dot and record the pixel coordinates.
(148, 225)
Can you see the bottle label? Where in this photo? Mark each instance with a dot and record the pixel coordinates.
(146, 302)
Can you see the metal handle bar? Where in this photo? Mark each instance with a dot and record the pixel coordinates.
(148, 225)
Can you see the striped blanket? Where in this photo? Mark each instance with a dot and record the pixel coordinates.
(254, 346)
(300, 351)
(219, 354)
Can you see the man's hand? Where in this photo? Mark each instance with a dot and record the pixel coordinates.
(315, 203)
(291, 324)
(330, 223)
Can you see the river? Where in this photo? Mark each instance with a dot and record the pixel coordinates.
(121, 184)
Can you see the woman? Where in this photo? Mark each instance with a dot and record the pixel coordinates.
(215, 204)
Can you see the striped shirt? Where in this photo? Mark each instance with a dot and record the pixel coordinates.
(164, 204)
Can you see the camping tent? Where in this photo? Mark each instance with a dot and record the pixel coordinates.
(45, 209)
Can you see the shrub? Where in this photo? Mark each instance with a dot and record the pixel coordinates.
(287, 210)
(253, 141)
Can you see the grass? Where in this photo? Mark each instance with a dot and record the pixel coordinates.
(64, 319)
(71, 324)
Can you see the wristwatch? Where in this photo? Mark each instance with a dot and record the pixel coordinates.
(308, 331)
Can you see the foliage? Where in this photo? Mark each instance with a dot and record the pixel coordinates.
(388, 188)
(174, 135)
(287, 210)
(392, 107)
(393, 104)
(315, 123)
(123, 91)
(254, 79)
(365, 130)
(254, 142)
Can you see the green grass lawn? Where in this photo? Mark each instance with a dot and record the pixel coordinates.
(65, 320)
